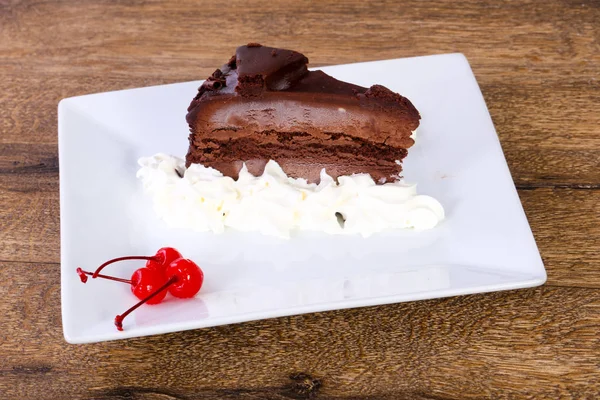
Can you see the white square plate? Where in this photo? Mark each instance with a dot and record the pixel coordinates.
(485, 244)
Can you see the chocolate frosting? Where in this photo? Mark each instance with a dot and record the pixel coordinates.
(256, 69)
(277, 69)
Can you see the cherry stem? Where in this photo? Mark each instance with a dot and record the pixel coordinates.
(83, 276)
(119, 318)
(100, 268)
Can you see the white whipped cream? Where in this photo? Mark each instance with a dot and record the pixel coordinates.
(203, 199)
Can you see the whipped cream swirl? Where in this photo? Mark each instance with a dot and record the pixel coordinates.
(202, 199)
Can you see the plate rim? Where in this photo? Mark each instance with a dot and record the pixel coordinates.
(274, 313)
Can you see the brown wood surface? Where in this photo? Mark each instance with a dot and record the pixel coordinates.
(538, 65)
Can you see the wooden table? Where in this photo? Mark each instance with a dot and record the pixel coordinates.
(538, 64)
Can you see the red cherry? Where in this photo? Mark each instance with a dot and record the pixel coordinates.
(183, 279)
(160, 292)
(145, 281)
(165, 270)
(163, 257)
(188, 278)
(160, 260)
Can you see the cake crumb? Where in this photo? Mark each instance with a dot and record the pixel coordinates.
(253, 44)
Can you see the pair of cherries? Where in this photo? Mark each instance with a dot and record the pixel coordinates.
(166, 271)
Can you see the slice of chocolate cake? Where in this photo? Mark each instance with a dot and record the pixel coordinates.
(265, 105)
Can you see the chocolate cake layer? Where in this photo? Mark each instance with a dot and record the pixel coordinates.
(264, 104)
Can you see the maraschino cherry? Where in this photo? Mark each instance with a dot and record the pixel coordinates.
(189, 278)
(166, 270)
(144, 281)
(184, 280)
(160, 261)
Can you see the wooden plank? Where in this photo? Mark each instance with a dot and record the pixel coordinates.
(547, 121)
(543, 146)
(165, 35)
(28, 115)
(538, 65)
(566, 226)
(537, 343)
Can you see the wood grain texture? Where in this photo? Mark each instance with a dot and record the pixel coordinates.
(538, 65)
(541, 342)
